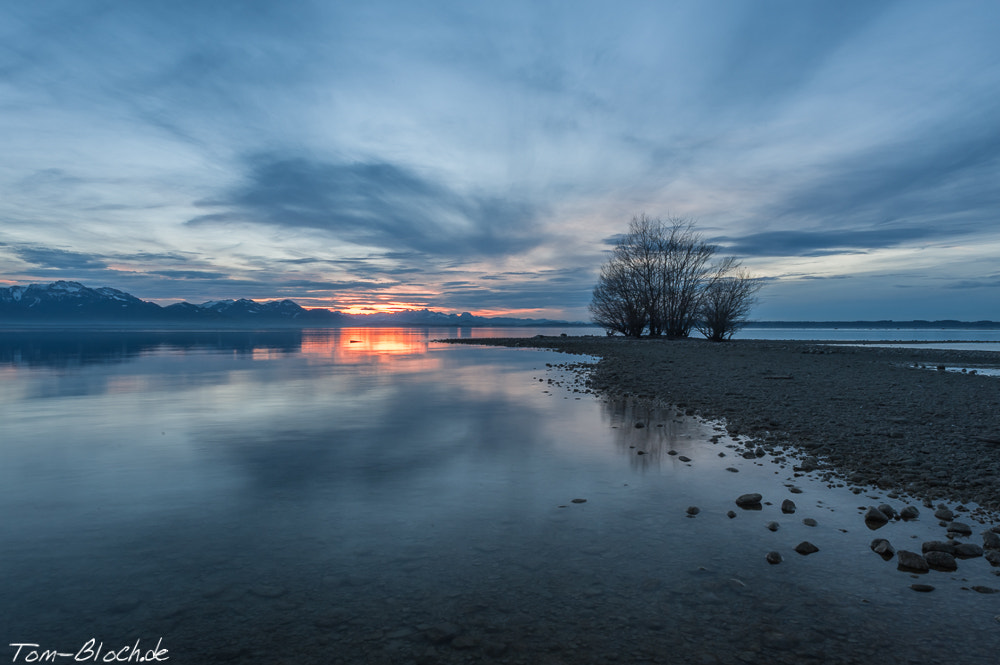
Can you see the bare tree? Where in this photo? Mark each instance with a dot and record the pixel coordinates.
(617, 304)
(687, 268)
(660, 278)
(726, 302)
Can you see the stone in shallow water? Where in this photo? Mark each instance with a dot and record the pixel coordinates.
(991, 541)
(810, 521)
(940, 561)
(909, 513)
(579, 501)
(968, 550)
(944, 514)
(883, 548)
(771, 526)
(788, 506)
(748, 500)
(960, 529)
(911, 561)
(875, 518)
(442, 633)
(805, 547)
(924, 588)
(887, 510)
(938, 546)
(693, 510)
(984, 589)
(773, 558)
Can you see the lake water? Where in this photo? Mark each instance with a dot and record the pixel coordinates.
(371, 496)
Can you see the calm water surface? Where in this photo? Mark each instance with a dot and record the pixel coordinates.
(370, 496)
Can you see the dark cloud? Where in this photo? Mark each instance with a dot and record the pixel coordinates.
(60, 259)
(375, 203)
(824, 243)
(943, 171)
(992, 282)
(558, 289)
(189, 274)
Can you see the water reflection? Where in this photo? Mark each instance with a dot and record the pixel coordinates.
(51, 348)
(309, 500)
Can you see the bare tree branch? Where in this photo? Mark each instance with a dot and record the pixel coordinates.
(662, 279)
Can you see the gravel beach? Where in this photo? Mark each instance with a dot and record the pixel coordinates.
(872, 416)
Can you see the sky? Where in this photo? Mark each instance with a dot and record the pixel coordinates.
(482, 156)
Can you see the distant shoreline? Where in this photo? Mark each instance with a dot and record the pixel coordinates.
(869, 415)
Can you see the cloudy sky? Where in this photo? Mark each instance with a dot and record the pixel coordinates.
(477, 156)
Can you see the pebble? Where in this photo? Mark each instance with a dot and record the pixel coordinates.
(909, 513)
(944, 514)
(960, 528)
(883, 548)
(773, 558)
(579, 501)
(693, 510)
(875, 518)
(747, 500)
(923, 588)
(940, 561)
(911, 561)
(810, 521)
(442, 633)
(805, 547)
(771, 526)
(788, 506)
(968, 550)
(684, 458)
(887, 510)
(991, 540)
(938, 546)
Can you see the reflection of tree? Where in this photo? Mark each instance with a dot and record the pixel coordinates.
(663, 429)
(66, 348)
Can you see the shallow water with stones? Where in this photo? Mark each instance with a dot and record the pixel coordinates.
(371, 496)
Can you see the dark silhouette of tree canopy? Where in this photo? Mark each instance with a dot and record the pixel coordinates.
(726, 302)
(660, 279)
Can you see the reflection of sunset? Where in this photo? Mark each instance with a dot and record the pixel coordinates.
(363, 345)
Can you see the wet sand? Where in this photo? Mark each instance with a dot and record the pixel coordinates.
(873, 416)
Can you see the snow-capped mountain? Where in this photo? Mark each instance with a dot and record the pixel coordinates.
(74, 302)
(71, 300)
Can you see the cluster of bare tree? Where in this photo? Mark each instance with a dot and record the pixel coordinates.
(663, 279)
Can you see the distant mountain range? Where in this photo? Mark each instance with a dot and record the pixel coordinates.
(73, 302)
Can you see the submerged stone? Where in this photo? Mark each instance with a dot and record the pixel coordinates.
(805, 547)
(940, 561)
(911, 561)
(748, 500)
